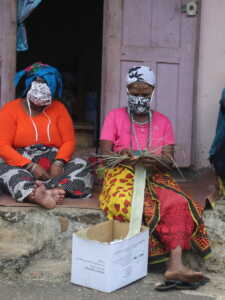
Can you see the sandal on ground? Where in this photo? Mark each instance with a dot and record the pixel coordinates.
(165, 286)
(168, 285)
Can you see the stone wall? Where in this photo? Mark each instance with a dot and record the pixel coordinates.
(35, 244)
(215, 222)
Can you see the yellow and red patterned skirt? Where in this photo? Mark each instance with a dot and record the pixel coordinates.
(173, 217)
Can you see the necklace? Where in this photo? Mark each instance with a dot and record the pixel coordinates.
(140, 123)
(134, 133)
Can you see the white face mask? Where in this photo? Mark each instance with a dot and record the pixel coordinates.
(139, 104)
(39, 94)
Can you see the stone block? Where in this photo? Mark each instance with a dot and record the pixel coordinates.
(64, 223)
(30, 235)
(36, 243)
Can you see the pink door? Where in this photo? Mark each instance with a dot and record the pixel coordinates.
(157, 34)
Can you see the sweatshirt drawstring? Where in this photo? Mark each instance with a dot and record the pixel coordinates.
(35, 126)
(48, 126)
(32, 121)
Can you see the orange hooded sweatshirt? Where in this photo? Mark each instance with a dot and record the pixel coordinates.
(17, 130)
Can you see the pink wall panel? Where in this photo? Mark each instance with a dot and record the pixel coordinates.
(166, 23)
(135, 27)
(167, 90)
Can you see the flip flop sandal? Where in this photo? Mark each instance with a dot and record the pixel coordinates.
(180, 285)
(184, 285)
(191, 285)
(204, 280)
(165, 286)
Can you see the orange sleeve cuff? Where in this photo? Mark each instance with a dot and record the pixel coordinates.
(12, 157)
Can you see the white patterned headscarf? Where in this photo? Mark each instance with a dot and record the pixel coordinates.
(141, 74)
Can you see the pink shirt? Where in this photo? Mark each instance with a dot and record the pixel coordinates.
(117, 128)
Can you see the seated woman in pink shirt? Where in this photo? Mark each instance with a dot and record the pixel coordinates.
(175, 220)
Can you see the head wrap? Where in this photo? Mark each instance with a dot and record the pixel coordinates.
(140, 104)
(141, 74)
(50, 74)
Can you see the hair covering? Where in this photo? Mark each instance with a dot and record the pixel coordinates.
(141, 73)
(220, 128)
(50, 74)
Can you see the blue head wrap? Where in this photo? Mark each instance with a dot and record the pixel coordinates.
(220, 128)
(50, 74)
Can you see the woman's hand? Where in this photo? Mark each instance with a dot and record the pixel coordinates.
(56, 169)
(40, 172)
(156, 166)
(150, 163)
(131, 159)
(126, 152)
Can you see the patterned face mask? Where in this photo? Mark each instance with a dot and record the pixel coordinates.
(39, 94)
(138, 104)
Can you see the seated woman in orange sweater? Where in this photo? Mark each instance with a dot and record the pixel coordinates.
(37, 142)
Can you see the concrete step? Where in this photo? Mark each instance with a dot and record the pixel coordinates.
(35, 244)
(29, 235)
(51, 270)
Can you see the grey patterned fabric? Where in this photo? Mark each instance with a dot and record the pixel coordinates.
(76, 180)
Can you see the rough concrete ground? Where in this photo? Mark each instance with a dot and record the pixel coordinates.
(35, 253)
(142, 289)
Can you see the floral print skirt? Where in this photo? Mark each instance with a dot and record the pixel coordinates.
(173, 218)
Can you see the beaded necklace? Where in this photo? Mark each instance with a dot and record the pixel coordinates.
(134, 133)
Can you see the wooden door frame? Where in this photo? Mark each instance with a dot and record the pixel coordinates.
(111, 56)
(8, 27)
(111, 47)
(112, 23)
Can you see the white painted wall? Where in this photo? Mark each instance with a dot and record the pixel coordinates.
(210, 78)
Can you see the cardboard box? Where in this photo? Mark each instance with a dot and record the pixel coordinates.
(103, 260)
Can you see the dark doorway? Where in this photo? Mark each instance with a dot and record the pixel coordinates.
(68, 36)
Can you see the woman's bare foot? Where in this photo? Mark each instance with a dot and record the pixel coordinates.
(60, 195)
(46, 198)
(176, 269)
(58, 192)
(183, 274)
